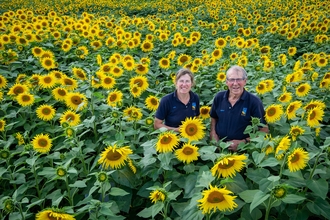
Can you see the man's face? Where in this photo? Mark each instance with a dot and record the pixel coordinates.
(235, 82)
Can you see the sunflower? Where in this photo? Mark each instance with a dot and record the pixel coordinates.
(297, 159)
(157, 195)
(81, 52)
(228, 165)
(114, 156)
(1, 95)
(193, 129)
(220, 42)
(187, 154)
(314, 103)
(133, 113)
(183, 59)
(37, 51)
(261, 88)
(205, 112)
(167, 141)
(79, 73)
(322, 62)
(285, 97)
(52, 214)
(292, 108)
(2, 125)
(59, 94)
(42, 143)
(139, 81)
(19, 138)
(142, 69)
(76, 101)
(70, 117)
(18, 89)
(117, 71)
(47, 81)
(273, 113)
(217, 54)
(147, 46)
(295, 131)
(25, 99)
(292, 51)
(114, 97)
(45, 112)
(3, 82)
(303, 89)
(69, 83)
(283, 145)
(164, 63)
(152, 102)
(314, 117)
(217, 198)
(108, 82)
(48, 63)
(136, 91)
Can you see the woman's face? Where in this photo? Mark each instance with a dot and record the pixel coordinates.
(183, 84)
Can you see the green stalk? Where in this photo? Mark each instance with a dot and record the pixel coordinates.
(68, 189)
(21, 211)
(269, 206)
(36, 179)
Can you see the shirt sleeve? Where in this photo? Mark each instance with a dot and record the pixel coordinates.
(161, 111)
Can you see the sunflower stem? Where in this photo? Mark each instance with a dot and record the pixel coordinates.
(21, 210)
(36, 180)
(269, 206)
(68, 189)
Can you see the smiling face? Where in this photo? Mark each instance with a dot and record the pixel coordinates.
(235, 82)
(183, 84)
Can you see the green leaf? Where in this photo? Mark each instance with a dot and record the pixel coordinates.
(205, 179)
(156, 208)
(248, 195)
(269, 162)
(115, 191)
(258, 174)
(258, 198)
(257, 157)
(292, 198)
(145, 213)
(78, 184)
(319, 206)
(319, 187)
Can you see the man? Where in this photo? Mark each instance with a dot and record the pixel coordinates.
(232, 110)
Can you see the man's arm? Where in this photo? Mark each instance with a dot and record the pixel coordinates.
(213, 133)
(159, 124)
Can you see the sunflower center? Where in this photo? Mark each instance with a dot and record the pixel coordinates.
(26, 98)
(18, 90)
(191, 129)
(50, 217)
(107, 80)
(301, 89)
(48, 63)
(113, 97)
(188, 151)
(154, 101)
(138, 82)
(106, 68)
(113, 155)
(312, 115)
(47, 80)
(46, 111)
(295, 158)
(42, 142)
(61, 92)
(226, 166)
(68, 82)
(76, 100)
(70, 117)
(271, 112)
(166, 140)
(215, 197)
(204, 111)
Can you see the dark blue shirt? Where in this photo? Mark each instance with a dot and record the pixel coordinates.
(173, 111)
(233, 120)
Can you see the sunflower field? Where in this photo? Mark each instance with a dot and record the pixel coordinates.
(80, 81)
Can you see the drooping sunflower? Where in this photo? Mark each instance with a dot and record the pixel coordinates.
(292, 109)
(52, 214)
(296, 131)
(217, 198)
(47, 81)
(114, 97)
(140, 81)
(79, 73)
(228, 165)
(285, 97)
(273, 113)
(152, 102)
(283, 145)
(108, 82)
(297, 159)
(157, 195)
(303, 89)
(3, 82)
(18, 89)
(59, 94)
(167, 141)
(25, 99)
(45, 112)
(114, 156)
(205, 112)
(133, 113)
(187, 153)
(76, 101)
(2, 125)
(69, 83)
(20, 138)
(192, 129)
(314, 117)
(70, 117)
(42, 143)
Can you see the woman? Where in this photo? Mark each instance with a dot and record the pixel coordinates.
(178, 105)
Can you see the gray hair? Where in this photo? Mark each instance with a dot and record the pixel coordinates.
(237, 69)
(183, 72)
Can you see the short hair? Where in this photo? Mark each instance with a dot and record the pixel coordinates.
(185, 71)
(236, 69)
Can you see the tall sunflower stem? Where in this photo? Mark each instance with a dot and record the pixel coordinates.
(269, 206)
(36, 180)
(312, 172)
(21, 210)
(282, 165)
(68, 189)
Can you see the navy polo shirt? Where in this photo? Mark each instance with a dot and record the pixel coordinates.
(173, 111)
(233, 120)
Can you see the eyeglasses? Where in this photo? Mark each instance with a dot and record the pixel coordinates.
(238, 80)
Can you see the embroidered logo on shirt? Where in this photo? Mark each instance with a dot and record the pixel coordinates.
(243, 113)
(193, 106)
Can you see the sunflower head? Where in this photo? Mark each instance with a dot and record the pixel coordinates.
(279, 191)
(102, 176)
(192, 129)
(8, 205)
(4, 154)
(61, 172)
